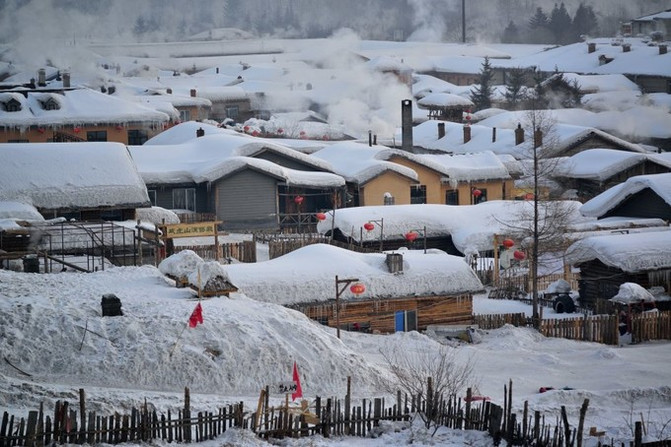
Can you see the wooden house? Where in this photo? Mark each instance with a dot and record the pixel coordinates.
(245, 182)
(646, 196)
(402, 291)
(607, 261)
(593, 171)
(42, 114)
(84, 181)
(227, 102)
(446, 106)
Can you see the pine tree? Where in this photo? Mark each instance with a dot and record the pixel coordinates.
(560, 24)
(538, 28)
(584, 22)
(538, 20)
(515, 87)
(511, 34)
(482, 94)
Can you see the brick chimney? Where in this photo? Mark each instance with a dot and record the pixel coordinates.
(41, 77)
(168, 91)
(467, 133)
(626, 47)
(538, 138)
(441, 130)
(519, 135)
(662, 49)
(200, 132)
(66, 79)
(591, 47)
(406, 125)
(193, 92)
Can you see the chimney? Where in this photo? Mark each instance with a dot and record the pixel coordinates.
(200, 132)
(441, 130)
(370, 138)
(217, 70)
(662, 49)
(406, 125)
(41, 77)
(538, 138)
(375, 140)
(394, 262)
(591, 47)
(193, 92)
(493, 134)
(626, 47)
(467, 134)
(66, 79)
(519, 135)
(168, 91)
(603, 59)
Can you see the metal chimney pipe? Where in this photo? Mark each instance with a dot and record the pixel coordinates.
(441, 130)
(406, 125)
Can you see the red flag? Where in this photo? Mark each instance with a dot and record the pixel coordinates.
(196, 316)
(297, 381)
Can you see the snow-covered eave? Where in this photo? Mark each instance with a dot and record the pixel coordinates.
(627, 258)
(612, 197)
(255, 149)
(584, 135)
(372, 172)
(26, 122)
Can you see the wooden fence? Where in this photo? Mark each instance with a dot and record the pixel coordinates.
(244, 251)
(326, 417)
(595, 328)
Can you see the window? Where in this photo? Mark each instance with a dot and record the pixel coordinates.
(184, 199)
(418, 194)
(152, 196)
(12, 105)
(50, 104)
(668, 87)
(17, 141)
(137, 137)
(232, 112)
(452, 197)
(480, 198)
(389, 199)
(96, 135)
(184, 115)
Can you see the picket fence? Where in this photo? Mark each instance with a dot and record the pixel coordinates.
(327, 417)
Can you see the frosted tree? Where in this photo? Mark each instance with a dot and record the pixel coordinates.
(481, 95)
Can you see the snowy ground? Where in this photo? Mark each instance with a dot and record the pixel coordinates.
(244, 345)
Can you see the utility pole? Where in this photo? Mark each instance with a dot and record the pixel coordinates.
(463, 21)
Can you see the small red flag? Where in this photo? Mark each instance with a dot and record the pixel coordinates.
(297, 381)
(196, 316)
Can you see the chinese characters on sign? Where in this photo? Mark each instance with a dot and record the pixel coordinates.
(287, 387)
(190, 230)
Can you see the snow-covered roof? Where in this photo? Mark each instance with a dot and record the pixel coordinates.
(70, 175)
(597, 164)
(307, 275)
(472, 227)
(609, 199)
(217, 155)
(76, 107)
(662, 15)
(631, 293)
(360, 163)
(602, 83)
(444, 100)
(630, 252)
(19, 211)
(459, 167)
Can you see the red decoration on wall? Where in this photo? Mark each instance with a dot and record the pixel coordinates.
(477, 192)
(369, 226)
(119, 127)
(77, 129)
(357, 288)
(298, 200)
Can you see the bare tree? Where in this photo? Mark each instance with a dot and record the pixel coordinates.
(542, 223)
(430, 375)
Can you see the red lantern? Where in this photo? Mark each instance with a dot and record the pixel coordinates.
(320, 216)
(357, 288)
(302, 133)
(246, 128)
(40, 129)
(369, 226)
(529, 196)
(410, 236)
(255, 133)
(477, 192)
(77, 129)
(508, 243)
(325, 137)
(280, 131)
(519, 255)
(119, 127)
(298, 200)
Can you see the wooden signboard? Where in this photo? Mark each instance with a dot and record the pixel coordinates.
(190, 230)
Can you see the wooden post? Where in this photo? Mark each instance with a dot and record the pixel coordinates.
(567, 428)
(216, 243)
(638, 434)
(82, 411)
(495, 273)
(581, 422)
(347, 405)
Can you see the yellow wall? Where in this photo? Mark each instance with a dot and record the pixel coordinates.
(34, 135)
(427, 177)
(372, 193)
